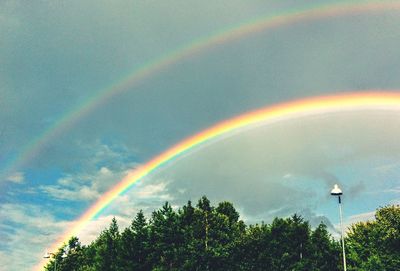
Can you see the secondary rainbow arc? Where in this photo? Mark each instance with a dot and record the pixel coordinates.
(376, 100)
(148, 69)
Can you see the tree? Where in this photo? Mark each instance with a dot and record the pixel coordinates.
(374, 245)
(213, 238)
(324, 251)
(252, 249)
(107, 248)
(166, 238)
(188, 252)
(135, 245)
(289, 242)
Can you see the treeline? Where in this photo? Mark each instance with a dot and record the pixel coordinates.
(206, 237)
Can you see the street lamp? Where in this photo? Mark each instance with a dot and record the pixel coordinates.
(47, 255)
(336, 191)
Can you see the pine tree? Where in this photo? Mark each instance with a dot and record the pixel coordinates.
(209, 238)
(324, 251)
(135, 245)
(166, 238)
(107, 248)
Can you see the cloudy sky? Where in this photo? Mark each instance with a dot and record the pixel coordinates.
(63, 143)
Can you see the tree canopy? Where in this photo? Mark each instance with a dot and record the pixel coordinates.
(205, 237)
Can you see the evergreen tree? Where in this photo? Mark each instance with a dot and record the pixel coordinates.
(213, 238)
(166, 239)
(187, 253)
(324, 251)
(107, 248)
(135, 245)
(252, 248)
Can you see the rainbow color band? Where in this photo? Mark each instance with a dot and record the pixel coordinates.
(376, 100)
(126, 83)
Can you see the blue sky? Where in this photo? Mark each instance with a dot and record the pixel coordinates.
(56, 55)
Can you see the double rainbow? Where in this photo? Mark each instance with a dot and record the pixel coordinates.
(357, 101)
(127, 82)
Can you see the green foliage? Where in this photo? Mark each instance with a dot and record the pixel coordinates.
(135, 245)
(107, 247)
(205, 237)
(375, 245)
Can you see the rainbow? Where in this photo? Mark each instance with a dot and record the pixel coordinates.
(126, 83)
(376, 100)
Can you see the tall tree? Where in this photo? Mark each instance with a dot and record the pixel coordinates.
(166, 238)
(251, 250)
(107, 248)
(135, 245)
(213, 238)
(324, 250)
(374, 245)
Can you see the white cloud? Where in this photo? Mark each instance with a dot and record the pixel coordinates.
(384, 169)
(26, 232)
(17, 177)
(96, 178)
(83, 186)
(105, 171)
(287, 176)
(151, 190)
(361, 217)
(83, 193)
(94, 227)
(147, 195)
(393, 190)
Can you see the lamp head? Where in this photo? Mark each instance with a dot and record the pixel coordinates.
(336, 191)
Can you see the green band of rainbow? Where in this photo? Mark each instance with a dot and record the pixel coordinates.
(127, 82)
(376, 100)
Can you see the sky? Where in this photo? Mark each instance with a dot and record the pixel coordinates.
(92, 90)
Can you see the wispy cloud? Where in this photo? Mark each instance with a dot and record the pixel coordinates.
(96, 178)
(84, 186)
(94, 227)
(83, 193)
(361, 217)
(17, 177)
(146, 196)
(26, 231)
(153, 190)
(395, 190)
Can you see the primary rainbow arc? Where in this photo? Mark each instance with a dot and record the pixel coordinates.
(386, 101)
(377, 100)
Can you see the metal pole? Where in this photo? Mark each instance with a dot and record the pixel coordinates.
(55, 263)
(341, 226)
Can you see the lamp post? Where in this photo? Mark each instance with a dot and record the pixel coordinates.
(47, 255)
(336, 191)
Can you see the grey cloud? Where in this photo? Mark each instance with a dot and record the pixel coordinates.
(266, 68)
(316, 219)
(56, 56)
(250, 168)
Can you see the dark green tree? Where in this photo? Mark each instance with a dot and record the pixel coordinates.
(135, 245)
(107, 248)
(166, 239)
(252, 248)
(213, 238)
(324, 253)
(374, 245)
